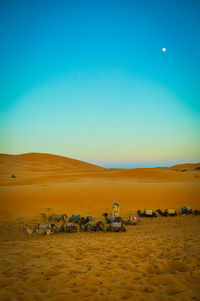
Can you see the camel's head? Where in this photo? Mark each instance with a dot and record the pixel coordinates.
(53, 227)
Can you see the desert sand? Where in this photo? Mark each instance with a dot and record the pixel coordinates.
(158, 259)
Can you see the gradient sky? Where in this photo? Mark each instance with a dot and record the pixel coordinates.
(89, 80)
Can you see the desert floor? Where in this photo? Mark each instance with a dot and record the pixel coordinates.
(158, 259)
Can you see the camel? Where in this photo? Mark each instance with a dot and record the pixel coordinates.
(39, 229)
(94, 226)
(69, 227)
(186, 210)
(171, 212)
(162, 213)
(116, 226)
(55, 217)
(132, 220)
(65, 227)
(80, 222)
(167, 212)
(147, 213)
(88, 224)
(111, 218)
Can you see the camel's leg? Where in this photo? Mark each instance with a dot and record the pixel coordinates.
(86, 228)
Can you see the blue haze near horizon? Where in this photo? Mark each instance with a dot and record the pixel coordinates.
(89, 80)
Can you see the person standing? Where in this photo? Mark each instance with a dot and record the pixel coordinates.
(116, 210)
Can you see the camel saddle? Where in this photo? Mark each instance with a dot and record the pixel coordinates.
(134, 219)
(148, 212)
(68, 225)
(75, 217)
(116, 224)
(171, 211)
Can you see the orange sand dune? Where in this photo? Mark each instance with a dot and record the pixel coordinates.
(156, 260)
(44, 181)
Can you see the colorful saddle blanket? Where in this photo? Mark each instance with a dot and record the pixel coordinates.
(134, 219)
(75, 217)
(43, 227)
(68, 225)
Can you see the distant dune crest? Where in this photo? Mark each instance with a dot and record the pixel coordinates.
(43, 159)
(186, 166)
(69, 163)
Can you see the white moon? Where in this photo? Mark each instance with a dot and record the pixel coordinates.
(163, 49)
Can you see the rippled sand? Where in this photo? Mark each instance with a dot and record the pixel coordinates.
(156, 260)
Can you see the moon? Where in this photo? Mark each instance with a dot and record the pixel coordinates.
(163, 49)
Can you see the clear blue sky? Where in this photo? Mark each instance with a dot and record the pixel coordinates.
(89, 80)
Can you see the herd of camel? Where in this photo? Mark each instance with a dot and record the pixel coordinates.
(167, 212)
(58, 223)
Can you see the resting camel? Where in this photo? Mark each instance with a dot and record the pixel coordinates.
(112, 218)
(162, 213)
(55, 217)
(186, 210)
(171, 212)
(39, 229)
(167, 212)
(116, 226)
(69, 227)
(132, 220)
(94, 226)
(65, 227)
(88, 224)
(147, 213)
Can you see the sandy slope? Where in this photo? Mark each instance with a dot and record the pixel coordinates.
(156, 260)
(49, 181)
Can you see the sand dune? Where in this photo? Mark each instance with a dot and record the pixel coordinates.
(44, 181)
(42, 162)
(156, 260)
